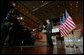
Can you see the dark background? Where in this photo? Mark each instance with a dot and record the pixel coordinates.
(5, 7)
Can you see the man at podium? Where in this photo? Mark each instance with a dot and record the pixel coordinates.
(48, 32)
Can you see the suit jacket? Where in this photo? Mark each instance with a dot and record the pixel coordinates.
(49, 28)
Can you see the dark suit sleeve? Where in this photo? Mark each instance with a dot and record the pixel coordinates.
(51, 27)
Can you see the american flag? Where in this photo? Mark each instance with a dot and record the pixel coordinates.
(67, 25)
(63, 28)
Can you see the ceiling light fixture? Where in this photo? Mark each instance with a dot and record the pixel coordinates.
(21, 18)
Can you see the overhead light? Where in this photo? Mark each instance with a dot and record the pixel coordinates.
(21, 18)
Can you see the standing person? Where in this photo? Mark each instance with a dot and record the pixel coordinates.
(49, 31)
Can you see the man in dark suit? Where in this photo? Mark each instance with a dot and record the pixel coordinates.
(49, 31)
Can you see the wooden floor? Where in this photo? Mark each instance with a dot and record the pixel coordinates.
(40, 50)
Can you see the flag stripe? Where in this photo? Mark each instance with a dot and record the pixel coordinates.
(61, 31)
(66, 27)
(64, 31)
(70, 22)
(70, 18)
(70, 27)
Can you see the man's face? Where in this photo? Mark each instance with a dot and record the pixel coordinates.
(47, 21)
